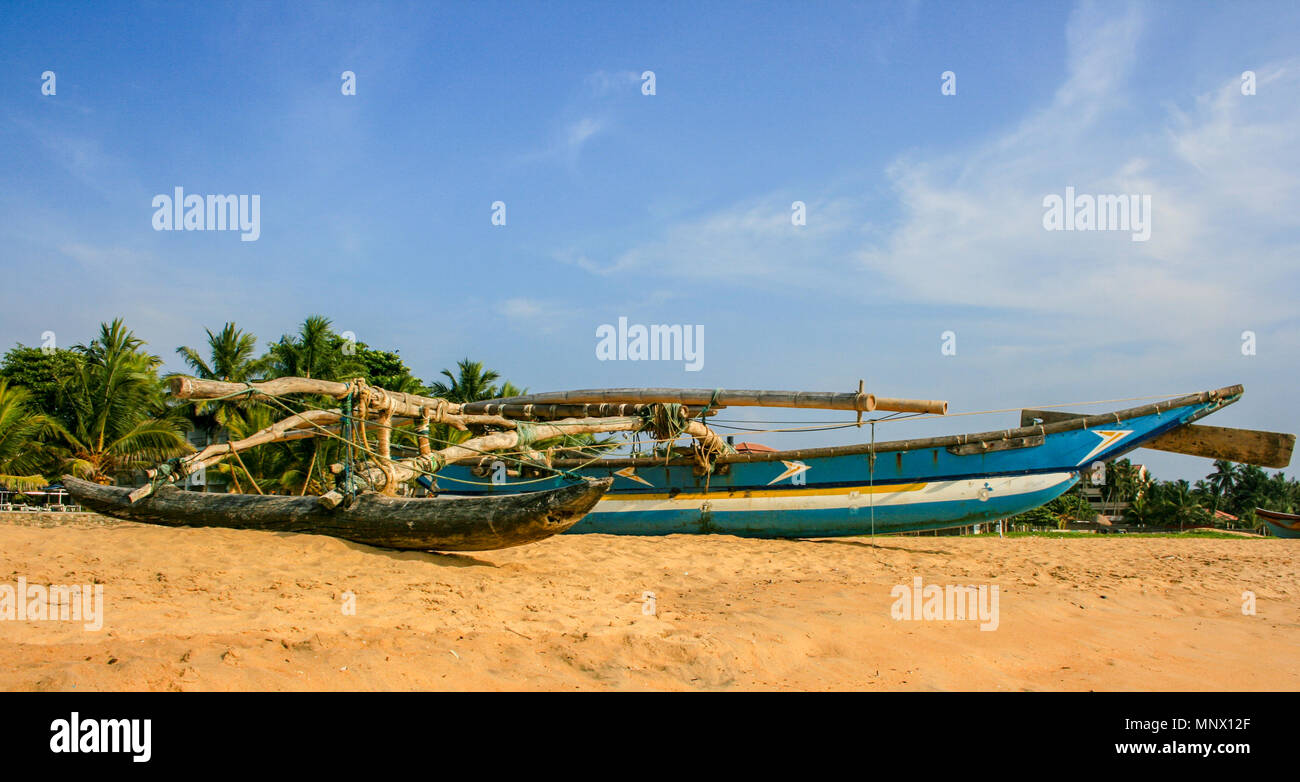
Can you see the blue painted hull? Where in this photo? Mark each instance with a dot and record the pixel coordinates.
(917, 488)
(1277, 530)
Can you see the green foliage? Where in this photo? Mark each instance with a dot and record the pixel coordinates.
(470, 383)
(230, 359)
(230, 356)
(386, 369)
(40, 372)
(1122, 481)
(23, 432)
(121, 421)
(316, 352)
(1070, 506)
(1233, 488)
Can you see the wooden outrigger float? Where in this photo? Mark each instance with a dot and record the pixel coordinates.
(518, 450)
(415, 523)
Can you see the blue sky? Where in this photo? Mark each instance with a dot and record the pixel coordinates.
(924, 211)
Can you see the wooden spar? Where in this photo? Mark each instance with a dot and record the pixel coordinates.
(892, 405)
(701, 397)
(553, 412)
(402, 405)
(396, 402)
(1248, 446)
(1225, 396)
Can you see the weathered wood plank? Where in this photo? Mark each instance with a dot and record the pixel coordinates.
(1249, 446)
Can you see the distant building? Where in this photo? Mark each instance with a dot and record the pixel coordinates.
(205, 480)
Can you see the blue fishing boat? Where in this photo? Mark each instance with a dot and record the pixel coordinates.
(1281, 525)
(885, 487)
(691, 480)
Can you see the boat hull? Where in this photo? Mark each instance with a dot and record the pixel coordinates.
(1281, 525)
(425, 524)
(889, 487)
(827, 512)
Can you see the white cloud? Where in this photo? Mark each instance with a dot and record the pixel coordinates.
(578, 133)
(521, 308)
(536, 316)
(1221, 169)
(753, 242)
(1221, 177)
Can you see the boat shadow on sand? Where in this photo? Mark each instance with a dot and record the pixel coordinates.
(877, 546)
(439, 558)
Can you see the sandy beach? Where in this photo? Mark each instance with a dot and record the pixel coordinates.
(211, 610)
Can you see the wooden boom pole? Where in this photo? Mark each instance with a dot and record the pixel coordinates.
(722, 397)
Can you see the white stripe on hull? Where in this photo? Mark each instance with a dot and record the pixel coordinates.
(813, 498)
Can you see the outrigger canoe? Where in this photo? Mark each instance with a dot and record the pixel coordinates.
(1282, 525)
(898, 486)
(521, 442)
(415, 523)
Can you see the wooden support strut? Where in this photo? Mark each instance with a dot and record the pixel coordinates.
(476, 448)
(293, 427)
(411, 468)
(309, 423)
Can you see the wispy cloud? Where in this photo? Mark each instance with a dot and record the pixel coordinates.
(752, 242)
(578, 133)
(1221, 171)
(1217, 174)
(536, 315)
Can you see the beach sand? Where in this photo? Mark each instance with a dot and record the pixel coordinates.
(204, 609)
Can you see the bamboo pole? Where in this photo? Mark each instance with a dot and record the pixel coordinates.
(701, 397)
(552, 412)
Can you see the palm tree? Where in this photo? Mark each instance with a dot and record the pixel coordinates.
(1181, 502)
(1143, 511)
(471, 383)
(120, 420)
(1222, 481)
(231, 356)
(315, 351)
(231, 359)
(21, 432)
